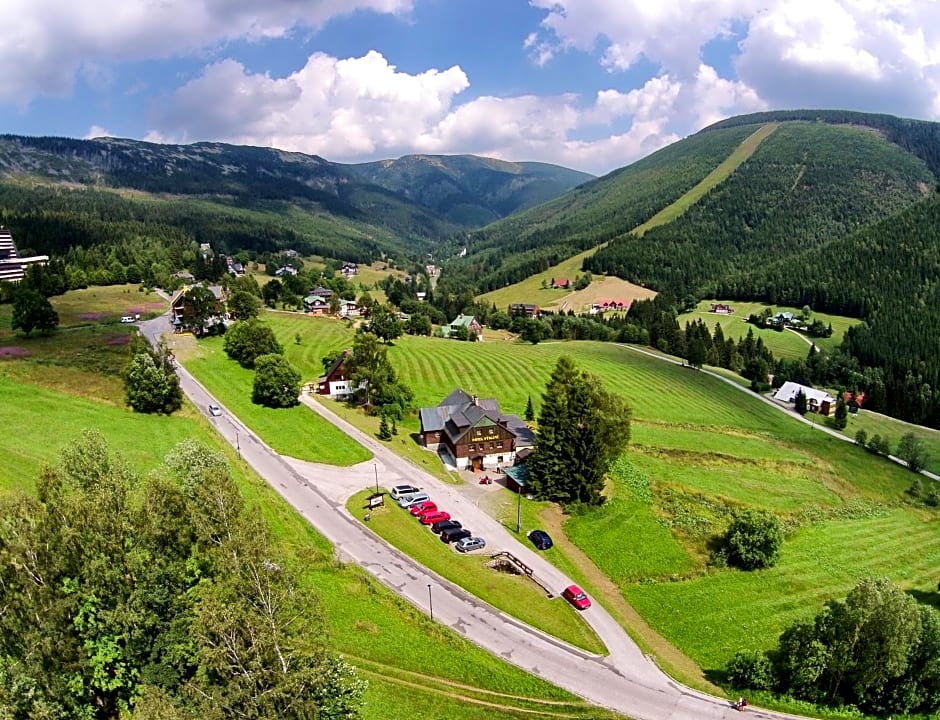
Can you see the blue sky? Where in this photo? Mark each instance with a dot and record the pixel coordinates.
(591, 84)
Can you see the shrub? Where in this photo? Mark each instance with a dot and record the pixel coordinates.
(753, 539)
(861, 438)
(751, 670)
(277, 383)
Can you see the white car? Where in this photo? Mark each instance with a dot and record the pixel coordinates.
(401, 490)
(215, 410)
(406, 501)
(127, 319)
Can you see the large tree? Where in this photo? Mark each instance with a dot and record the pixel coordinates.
(32, 311)
(247, 340)
(244, 305)
(200, 306)
(913, 451)
(151, 384)
(159, 596)
(753, 539)
(277, 383)
(384, 323)
(582, 429)
(371, 370)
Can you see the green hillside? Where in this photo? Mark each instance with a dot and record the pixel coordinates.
(516, 247)
(470, 190)
(806, 184)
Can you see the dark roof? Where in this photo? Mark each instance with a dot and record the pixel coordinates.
(518, 473)
(340, 359)
(457, 412)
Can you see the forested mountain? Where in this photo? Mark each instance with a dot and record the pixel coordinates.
(470, 190)
(595, 212)
(805, 185)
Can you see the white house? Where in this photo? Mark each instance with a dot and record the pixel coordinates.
(818, 401)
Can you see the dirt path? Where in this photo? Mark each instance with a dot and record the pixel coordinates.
(669, 657)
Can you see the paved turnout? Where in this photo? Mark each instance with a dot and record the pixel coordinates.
(625, 680)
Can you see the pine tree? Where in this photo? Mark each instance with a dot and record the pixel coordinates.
(841, 418)
(385, 432)
(529, 411)
(800, 404)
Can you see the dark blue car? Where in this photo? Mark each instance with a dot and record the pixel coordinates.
(540, 539)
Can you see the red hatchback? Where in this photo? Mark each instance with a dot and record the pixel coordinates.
(577, 597)
(429, 518)
(423, 507)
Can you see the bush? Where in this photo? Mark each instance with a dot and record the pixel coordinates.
(753, 540)
(751, 670)
(861, 438)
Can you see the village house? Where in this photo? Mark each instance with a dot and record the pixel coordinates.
(285, 270)
(235, 267)
(180, 313)
(349, 308)
(336, 382)
(473, 434)
(316, 305)
(523, 310)
(473, 326)
(603, 306)
(322, 292)
(722, 309)
(349, 270)
(561, 284)
(12, 266)
(817, 401)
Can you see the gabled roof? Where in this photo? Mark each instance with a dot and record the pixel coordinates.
(340, 359)
(464, 320)
(789, 390)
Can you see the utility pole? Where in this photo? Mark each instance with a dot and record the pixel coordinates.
(519, 510)
(430, 603)
(376, 468)
(238, 446)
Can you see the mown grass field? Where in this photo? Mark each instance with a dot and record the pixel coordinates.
(703, 449)
(395, 647)
(783, 344)
(894, 430)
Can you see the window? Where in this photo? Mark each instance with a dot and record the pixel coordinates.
(470, 447)
(499, 445)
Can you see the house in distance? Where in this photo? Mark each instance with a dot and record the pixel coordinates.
(336, 382)
(817, 401)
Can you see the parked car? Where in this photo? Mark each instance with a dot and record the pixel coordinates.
(442, 525)
(402, 490)
(406, 501)
(470, 544)
(429, 518)
(215, 410)
(577, 597)
(127, 319)
(540, 539)
(422, 507)
(454, 534)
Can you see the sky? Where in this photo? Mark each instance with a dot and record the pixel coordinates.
(589, 84)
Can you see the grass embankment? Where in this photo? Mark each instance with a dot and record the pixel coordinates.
(515, 595)
(416, 668)
(530, 290)
(894, 430)
(783, 343)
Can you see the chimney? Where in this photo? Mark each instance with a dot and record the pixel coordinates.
(474, 400)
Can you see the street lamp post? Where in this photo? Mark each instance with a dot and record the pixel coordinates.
(376, 468)
(519, 511)
(430, 603)
(238, 445)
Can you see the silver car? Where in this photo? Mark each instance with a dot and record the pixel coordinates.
(406, 501)
(470, 544)
(215, 410)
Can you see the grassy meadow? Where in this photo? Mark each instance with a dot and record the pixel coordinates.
(395, 647)
(700, 450)
(894, 430)
(783, 344)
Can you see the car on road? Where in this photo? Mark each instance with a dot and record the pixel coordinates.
(402, 490)
(540, 539)
(215, 410)
(470, 544)
(442, 525)
(454, 534)
(422, 507)
(577, 597)
(406, 501)
(429, 518)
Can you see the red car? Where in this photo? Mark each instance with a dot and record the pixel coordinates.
(429, 518)
(422, 507)
(577, 597)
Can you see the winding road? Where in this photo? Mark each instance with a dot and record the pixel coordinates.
(625, 680)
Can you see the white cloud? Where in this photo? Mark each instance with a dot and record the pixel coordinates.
(876, 55)
(96, 131)
(46, 43)
(364, 108)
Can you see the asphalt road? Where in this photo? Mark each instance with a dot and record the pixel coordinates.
(624, 680)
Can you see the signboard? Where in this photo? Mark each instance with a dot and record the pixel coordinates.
(376, 500)
(480, 437)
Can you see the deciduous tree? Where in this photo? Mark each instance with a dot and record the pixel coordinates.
(913, 451)
(151, 384)
(753, 539)
(277, 383)
(32, 311)
(243, 305)
(247, 340)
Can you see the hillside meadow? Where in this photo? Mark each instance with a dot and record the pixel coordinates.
(700, 450)
(395, 647)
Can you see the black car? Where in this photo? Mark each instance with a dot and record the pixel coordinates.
(540, 539)
(441, 525)
(453, 534)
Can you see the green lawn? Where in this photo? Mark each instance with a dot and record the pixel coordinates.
(894, 430)
(783, 343)
(513, 594)
(295, 431)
